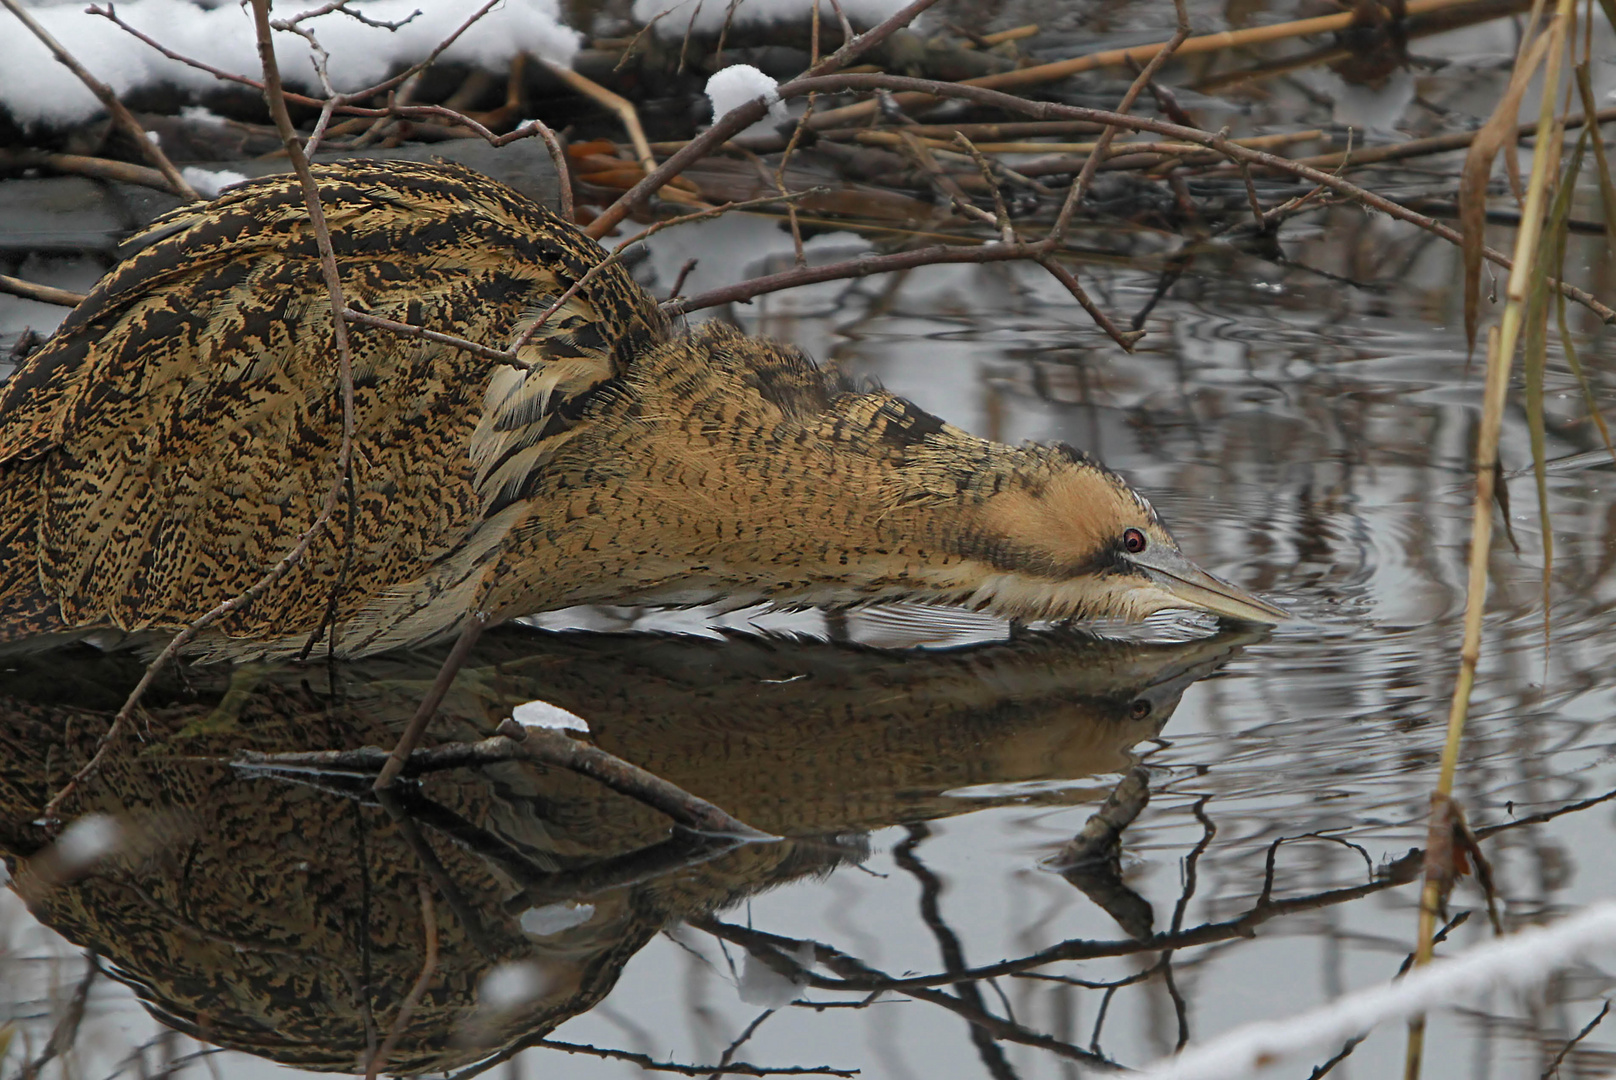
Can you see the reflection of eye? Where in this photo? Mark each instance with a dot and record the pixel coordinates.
(1139, 709)
(1133, 541)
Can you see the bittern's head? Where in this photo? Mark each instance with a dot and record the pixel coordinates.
(1066, 537)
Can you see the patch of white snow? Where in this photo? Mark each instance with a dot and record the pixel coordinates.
(87, 841)
(512, 985)
(209, 182)
(542, 714)
(734, 86)
(37, 89)
(551, 919)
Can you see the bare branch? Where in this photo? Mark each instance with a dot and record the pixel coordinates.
(863, 266)
(1124, 338)
(45, 294)
(516, 743)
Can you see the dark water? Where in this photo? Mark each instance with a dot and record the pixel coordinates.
(1302, 436)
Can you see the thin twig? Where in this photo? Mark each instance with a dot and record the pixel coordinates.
(365, 318)
(406, 1008)
(357, 16)
(1074, 194)
(734, 1068)
(743, 117)
(428, 708)
(1125, 338)
(1554, 1066)
(617, 255)
(1001, 215)
(679, 282)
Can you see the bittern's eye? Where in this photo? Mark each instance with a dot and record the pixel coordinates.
(1133, 541)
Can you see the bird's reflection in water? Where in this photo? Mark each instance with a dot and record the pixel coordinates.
(282, 912)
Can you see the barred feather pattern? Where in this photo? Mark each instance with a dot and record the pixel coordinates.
(181, 430)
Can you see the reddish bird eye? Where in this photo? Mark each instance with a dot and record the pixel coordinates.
(1133, 541)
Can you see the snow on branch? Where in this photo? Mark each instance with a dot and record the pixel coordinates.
(1518, 961)
(36, 89)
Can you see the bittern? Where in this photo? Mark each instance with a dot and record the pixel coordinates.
(181, 431)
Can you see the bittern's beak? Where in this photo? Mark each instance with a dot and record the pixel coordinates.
(1200, 590)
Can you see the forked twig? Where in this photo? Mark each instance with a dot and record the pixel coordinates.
(1074, 194)
(739, 119)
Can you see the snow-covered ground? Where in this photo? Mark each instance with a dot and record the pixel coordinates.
(37, 89)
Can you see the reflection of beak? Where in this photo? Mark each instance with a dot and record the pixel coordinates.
(1200, 590)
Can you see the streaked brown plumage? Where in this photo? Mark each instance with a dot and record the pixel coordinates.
(180, 431)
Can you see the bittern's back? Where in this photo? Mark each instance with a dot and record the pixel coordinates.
(182, 429)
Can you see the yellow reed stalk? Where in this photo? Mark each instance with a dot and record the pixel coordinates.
(1501, 342)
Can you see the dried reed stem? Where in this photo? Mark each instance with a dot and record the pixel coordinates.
(1501, 343)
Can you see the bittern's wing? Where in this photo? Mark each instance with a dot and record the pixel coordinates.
(182, 429)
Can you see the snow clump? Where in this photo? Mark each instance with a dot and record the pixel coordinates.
(734, 86)
(36, 89)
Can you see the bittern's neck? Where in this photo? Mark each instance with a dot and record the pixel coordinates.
(868, 499)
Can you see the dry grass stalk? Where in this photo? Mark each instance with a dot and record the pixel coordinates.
(618, 104)
(1501, 342)
(1496, 134)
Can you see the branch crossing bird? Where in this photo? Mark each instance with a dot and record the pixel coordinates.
(181, 430)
